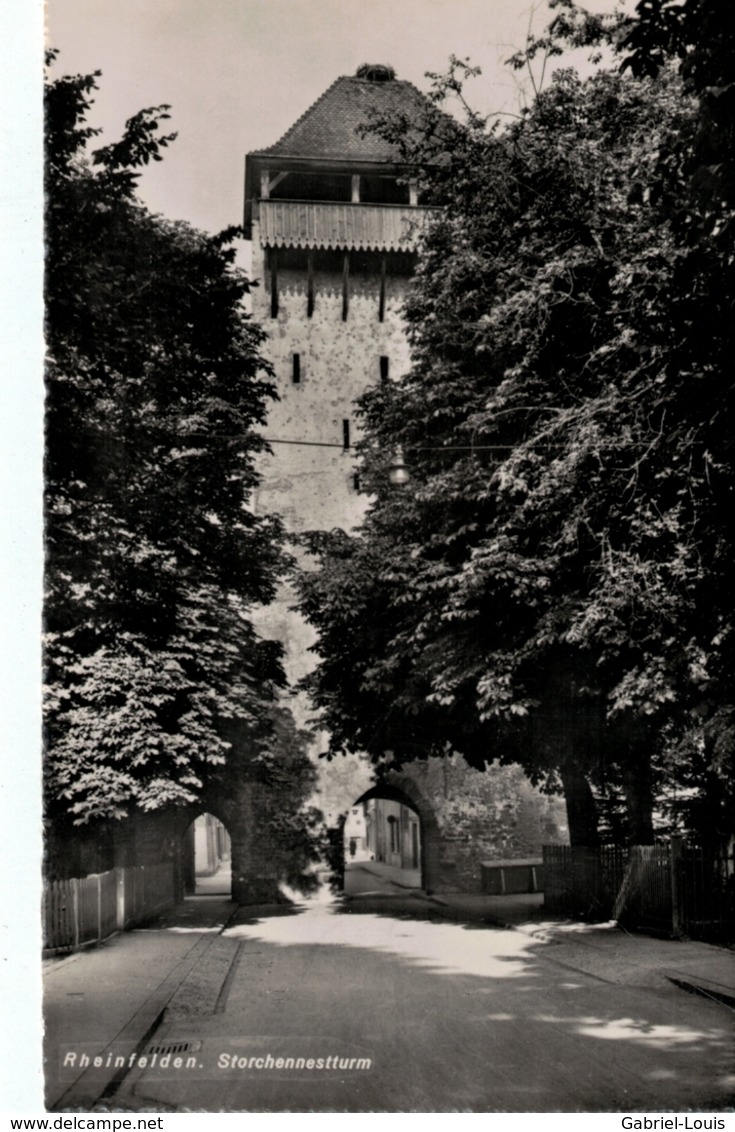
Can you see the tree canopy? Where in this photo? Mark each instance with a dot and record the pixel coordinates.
(554, 586)
(155, 390)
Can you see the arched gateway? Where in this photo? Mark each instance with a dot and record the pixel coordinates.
(238, 805)
(206, 857)
(400, 830)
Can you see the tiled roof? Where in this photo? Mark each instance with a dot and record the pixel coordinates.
(329, 128)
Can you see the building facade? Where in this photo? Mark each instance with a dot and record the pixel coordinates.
(335, 222)
(393, 833)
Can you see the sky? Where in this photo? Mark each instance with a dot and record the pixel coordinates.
(238, 73)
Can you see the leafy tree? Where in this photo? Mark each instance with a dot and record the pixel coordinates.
(293, 830)
(554, 586)
(699, 34)
(155, 387)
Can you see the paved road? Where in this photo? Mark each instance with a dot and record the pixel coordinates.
(360, 880)
(399, 1011)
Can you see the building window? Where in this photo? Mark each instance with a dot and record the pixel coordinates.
(384, 367)
(356, 481)
(345, 435)
(296, 369)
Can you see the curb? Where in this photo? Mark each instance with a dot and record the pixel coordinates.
(484, 915)
(705, 988)
(692, 984)
(53, 963)
(94, 1083)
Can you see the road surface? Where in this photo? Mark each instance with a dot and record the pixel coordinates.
(375, 1004)
(361, 879)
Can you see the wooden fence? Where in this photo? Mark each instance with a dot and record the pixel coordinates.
(580, 881)
(705, 888)
(644, 899)
(86, 910)
(669, 889)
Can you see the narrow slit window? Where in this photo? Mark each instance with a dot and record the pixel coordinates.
(356, 481)
(310, 285)
(345, 287)
(274, 283)
(296, 369)
(384, 368)
(381, 301)
(345, 435)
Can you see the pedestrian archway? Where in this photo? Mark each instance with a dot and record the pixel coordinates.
(390, 841)
(207, 855)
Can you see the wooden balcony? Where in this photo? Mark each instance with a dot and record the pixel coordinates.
(363, 227)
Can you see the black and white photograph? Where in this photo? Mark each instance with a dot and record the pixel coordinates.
(388, 711)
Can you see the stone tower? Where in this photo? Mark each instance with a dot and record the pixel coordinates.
(333, 217)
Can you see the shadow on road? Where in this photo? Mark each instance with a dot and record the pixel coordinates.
(451, 1016)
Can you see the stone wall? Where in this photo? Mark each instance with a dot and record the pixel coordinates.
(309, 486)
(313, 487)
(479, 816)
(160, 837)
(467, 816)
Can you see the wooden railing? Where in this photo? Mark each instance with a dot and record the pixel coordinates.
(86, 910)
(315, 224)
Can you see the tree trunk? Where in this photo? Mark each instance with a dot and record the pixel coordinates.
(581, 807)
(714, 826)
(638, 789)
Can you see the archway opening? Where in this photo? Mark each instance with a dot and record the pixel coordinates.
(383, 844)
(207, 858)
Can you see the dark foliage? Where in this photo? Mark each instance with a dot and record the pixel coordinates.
(555, 586)
(155, 386)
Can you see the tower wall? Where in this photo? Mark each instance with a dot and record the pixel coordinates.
(335, 220)
(312, 485)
